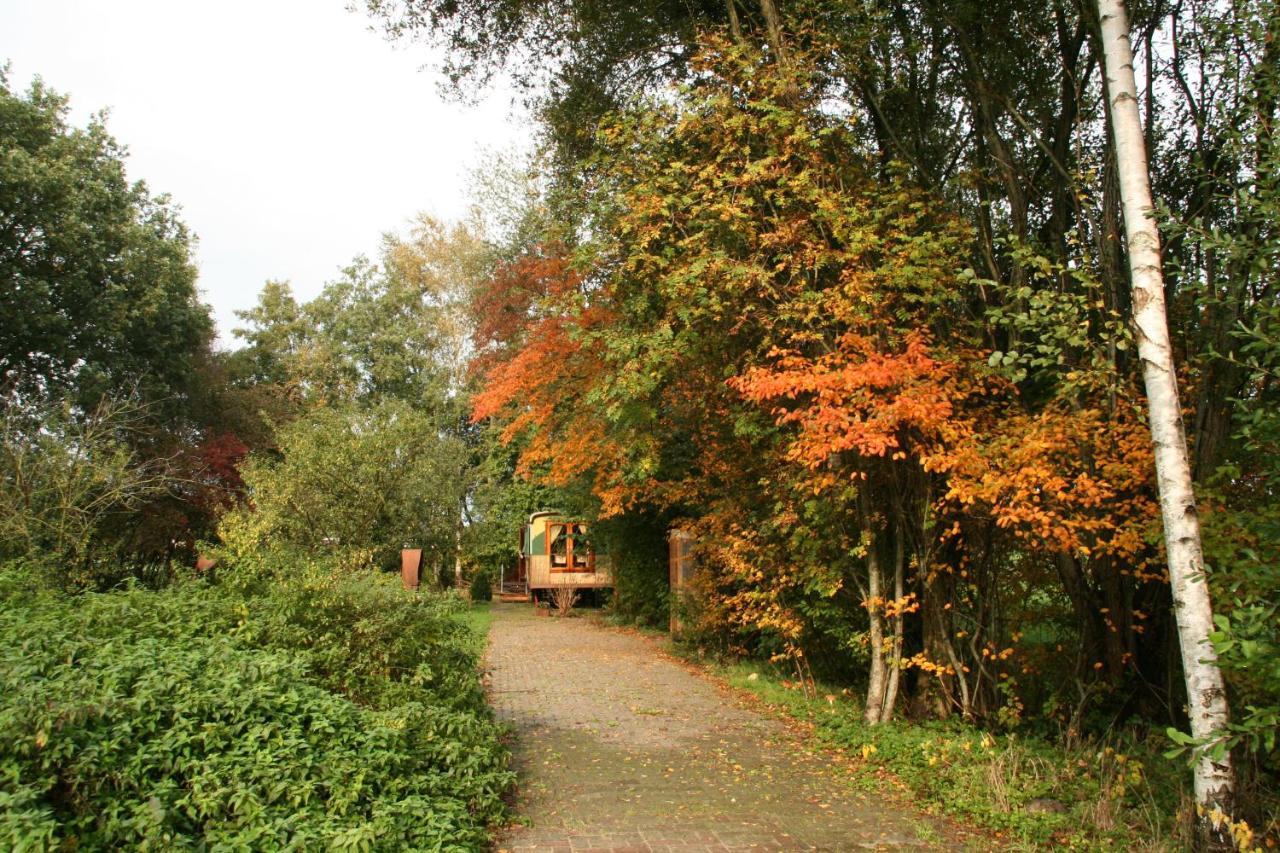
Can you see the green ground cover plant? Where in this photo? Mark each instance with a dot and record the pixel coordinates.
(328, 709)
(1118, 793)
(481, 585)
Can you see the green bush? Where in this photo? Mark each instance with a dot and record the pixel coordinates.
(637, 549)
(328, 710)
(370, 478)
(482, 585)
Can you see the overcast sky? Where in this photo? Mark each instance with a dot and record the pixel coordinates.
(291, 135)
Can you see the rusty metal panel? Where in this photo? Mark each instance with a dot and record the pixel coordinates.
(680, 571)
(410, 567)
(679, 558)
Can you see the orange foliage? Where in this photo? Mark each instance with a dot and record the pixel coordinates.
(856, 398)
(778, 347)
(535, 387)
(509, 301)
(1063, 480)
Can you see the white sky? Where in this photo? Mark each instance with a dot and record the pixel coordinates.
(290, 134)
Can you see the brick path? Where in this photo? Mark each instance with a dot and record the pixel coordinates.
(620, 749)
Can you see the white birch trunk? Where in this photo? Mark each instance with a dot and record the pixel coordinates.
(1207, 701)
(457, 554)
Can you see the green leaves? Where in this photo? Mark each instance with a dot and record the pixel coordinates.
(302, 717)
(376, 479)
(98, 284)
(1065, 339)
(381, 331)
(66, 479)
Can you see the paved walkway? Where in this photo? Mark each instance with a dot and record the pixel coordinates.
(621, 749)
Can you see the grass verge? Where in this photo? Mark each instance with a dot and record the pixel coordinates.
(1031, 793)
(479, 618)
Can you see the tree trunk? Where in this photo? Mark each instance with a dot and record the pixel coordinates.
(735, 28)
(895, 657)
(457, 555)
(1206, 697)
(773, 29)
(875, 610)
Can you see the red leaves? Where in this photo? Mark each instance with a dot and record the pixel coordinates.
(507, 305)
(536, 380)
(220, 485)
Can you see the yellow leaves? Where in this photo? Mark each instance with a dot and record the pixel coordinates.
(1241, 833)
(1068, 480)
(922, 662)
(892, 607)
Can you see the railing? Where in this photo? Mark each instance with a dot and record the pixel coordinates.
(515, 587)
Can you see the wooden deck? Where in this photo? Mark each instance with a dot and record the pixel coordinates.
(513, 591)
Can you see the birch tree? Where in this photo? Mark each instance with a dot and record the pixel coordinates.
(1206, 696)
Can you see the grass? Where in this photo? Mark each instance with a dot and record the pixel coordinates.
(479, 618)
(1033, 794)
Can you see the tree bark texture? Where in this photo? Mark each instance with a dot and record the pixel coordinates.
(1206, 697)
(773, 28)
(735, 28)
(875, 610)
(895, 656)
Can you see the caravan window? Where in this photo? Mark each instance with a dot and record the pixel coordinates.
(581, 548)
(569, 548)
(558, 546)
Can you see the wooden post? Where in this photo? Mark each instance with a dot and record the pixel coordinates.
(680, 563)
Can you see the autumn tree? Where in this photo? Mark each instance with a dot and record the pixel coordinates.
(709, 370)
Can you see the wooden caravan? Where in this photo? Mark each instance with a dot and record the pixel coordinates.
(557, 552)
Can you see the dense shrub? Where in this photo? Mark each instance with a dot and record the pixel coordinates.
(368, 477)
(637, 549)
(334, 710)
(482, 585)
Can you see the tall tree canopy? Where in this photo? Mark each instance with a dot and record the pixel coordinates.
(97, 284)
(390, 330)
(851, 301)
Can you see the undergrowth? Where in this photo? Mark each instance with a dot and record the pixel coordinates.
(1119, 794)
(322, 709)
